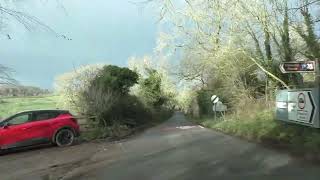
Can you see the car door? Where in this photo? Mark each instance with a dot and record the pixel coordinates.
(39, 129)
(13, 135)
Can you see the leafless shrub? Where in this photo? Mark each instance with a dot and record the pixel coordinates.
(71, 85)
(97, 105)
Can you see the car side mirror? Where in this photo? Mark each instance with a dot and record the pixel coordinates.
(5, 125)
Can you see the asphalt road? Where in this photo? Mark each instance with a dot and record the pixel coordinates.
(175, 150)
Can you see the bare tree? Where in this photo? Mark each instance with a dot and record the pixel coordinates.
(30, 23)
(6, 76)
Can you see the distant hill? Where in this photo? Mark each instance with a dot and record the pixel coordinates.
(22, 91)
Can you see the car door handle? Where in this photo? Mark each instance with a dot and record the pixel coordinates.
(26, 128)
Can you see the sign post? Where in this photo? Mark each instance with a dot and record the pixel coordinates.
(299, 105)
(218, 106)
(214, 100)
(297, 67)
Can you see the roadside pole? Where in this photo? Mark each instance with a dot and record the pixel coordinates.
(215, 99)
(317, 72)
(215, 112)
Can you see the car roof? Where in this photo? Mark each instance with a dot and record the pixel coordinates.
(39, 110)
(45, 110)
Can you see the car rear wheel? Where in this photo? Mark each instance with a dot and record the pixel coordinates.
(64, 137)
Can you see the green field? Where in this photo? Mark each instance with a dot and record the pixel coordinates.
(12, 105)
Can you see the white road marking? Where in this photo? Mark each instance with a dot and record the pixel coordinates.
(188, 127)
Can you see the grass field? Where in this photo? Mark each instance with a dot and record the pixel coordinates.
(12, 105)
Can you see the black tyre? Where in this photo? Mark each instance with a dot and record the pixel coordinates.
(64, 137)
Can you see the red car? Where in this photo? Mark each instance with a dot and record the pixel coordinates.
(38, 127)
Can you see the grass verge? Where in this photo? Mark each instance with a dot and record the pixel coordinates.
(263, 128)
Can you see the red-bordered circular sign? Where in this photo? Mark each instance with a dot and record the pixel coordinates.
(301, 101)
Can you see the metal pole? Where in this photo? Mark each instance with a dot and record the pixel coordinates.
(317, 83)
(215, 111)
(317, 73)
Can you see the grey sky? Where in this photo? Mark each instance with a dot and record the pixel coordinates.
(103, 31)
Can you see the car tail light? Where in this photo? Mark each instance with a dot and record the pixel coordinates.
(68, 116)
(74, 120)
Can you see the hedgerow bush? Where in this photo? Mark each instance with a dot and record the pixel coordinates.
(107, 98)
(101, 96)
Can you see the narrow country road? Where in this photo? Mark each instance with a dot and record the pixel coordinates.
(175, 150)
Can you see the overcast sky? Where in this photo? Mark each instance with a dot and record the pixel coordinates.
(102, 31)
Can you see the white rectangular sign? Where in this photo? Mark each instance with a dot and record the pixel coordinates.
(301, 106)
(219, 107)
